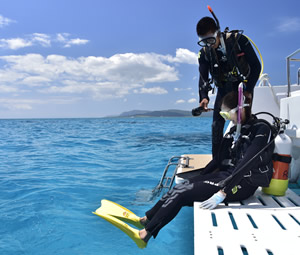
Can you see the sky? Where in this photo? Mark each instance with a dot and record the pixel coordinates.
(97, 58)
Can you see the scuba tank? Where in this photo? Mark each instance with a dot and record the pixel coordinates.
(281, 161)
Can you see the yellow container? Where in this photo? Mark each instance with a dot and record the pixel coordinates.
(277, 187)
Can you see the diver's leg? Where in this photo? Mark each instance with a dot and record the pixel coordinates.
(181, 195)
(217, 125)
(149, 214)
(211, 176)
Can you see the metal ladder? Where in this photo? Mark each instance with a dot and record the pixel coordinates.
(166, 182)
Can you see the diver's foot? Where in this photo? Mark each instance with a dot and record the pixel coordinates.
(144, 221)
(144, 235)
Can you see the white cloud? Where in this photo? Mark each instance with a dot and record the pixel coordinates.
(16, 104)
(98, 77)
(98, 91)
(145, 67)
(5, 21)
(289, 24)
(154, 91)
(36, 80)
(180, 101)
(29, 104)
(40, 39)
(7, 89)
(20, 107)
(192, 100)
(15, 43)
(181, 89)
(64, 38)
(76, 41)
(184, 56)
(8, 76)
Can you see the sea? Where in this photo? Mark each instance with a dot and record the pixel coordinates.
(55, 172)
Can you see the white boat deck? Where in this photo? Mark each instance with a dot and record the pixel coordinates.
(262, 224)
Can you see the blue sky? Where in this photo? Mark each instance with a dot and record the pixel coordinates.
(93, 58)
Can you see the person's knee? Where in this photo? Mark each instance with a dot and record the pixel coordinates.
(178, 194)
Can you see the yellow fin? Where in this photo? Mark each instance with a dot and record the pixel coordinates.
(130, 231)
(119, 212)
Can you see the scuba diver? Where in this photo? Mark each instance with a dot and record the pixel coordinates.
(230, 59)
(244, 163)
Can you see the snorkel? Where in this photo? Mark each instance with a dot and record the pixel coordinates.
(223, 47)
(239, 112)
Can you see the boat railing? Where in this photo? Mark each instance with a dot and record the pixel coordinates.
(288, 60)
(264, 82)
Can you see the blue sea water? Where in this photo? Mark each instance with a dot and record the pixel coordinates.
(54, 173)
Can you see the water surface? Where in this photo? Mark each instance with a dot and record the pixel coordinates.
(54, 173)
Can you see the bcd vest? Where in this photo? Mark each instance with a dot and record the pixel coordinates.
(260, 170)
(225, 69)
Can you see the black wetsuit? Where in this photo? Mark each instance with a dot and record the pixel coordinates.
(241, 186)
(219, 70)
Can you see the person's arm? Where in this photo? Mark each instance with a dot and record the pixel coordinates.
(254, 64)
(262, 137)
(203, 77)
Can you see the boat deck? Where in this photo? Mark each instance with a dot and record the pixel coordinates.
(262, 224)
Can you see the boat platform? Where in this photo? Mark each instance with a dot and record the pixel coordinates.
(260, 225)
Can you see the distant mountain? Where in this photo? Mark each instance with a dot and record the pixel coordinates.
(165, 113)
(162, 113)
(133, 113)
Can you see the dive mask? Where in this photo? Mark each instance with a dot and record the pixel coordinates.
(208, 40)
(226, 115)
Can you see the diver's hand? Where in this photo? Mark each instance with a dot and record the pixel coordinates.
(213, 201)
(204, 104)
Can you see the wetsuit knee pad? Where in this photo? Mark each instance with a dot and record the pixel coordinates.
(177, 192)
